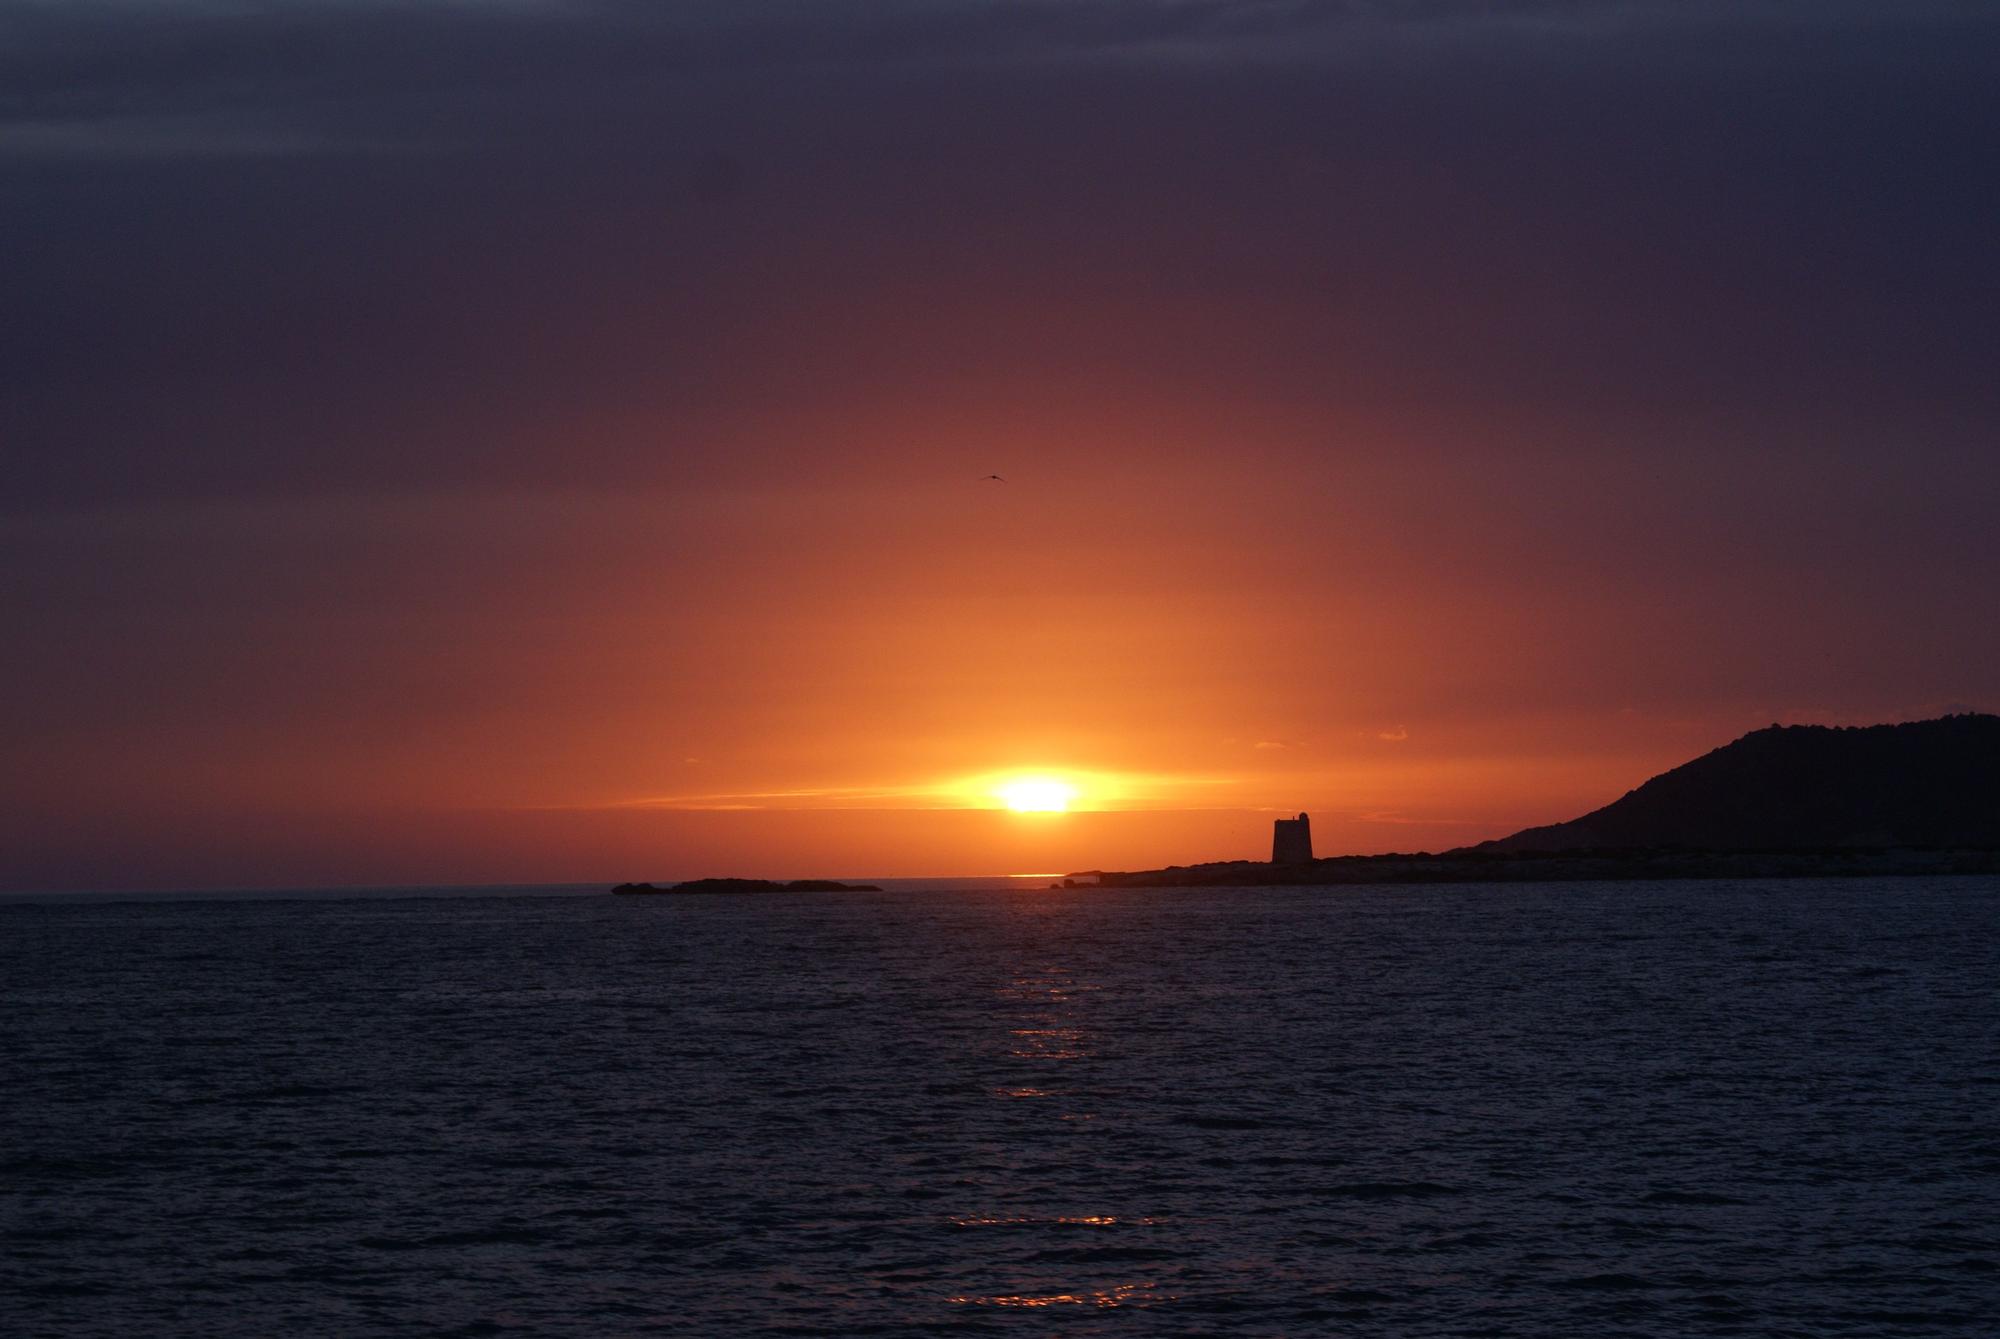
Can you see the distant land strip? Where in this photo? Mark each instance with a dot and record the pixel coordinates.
(1559, 867)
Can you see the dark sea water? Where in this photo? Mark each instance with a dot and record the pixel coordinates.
(1591, 1110)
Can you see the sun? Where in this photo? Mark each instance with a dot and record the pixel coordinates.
(1035, 795)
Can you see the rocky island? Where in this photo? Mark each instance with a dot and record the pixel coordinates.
(747, 886)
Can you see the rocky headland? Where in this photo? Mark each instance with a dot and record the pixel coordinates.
(1802, 801)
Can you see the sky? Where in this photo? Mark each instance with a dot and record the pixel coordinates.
(523, 441)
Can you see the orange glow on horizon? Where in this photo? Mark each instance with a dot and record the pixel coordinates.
(1180, 693)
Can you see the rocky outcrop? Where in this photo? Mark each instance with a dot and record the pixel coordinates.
(1929, 785)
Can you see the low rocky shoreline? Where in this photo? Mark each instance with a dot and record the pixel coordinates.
(1562, 867)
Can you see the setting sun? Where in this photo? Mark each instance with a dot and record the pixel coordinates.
(1036, 795)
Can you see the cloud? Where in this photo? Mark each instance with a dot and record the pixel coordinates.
(333, 246)
(830, 797)
(173, 137)
(1395, 736)
(318, 59)
(1393, 819)
(1091, 791)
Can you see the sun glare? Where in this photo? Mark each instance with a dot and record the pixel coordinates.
(1036, 795)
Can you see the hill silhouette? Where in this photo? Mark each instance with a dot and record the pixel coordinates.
(1926, 784)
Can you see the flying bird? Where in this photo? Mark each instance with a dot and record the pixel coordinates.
(992, 478)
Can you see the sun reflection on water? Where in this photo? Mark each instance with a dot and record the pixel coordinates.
(1123, 1294)
(1060, 1220)
(1040, 1019)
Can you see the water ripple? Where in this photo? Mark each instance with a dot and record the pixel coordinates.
(1646, 1110)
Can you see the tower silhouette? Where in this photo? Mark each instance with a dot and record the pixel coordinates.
(1291, 841)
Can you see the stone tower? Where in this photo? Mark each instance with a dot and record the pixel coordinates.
(1292, 841)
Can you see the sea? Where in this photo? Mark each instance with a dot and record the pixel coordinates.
(1658, 1109)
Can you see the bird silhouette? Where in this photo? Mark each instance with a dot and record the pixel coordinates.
(992, 478)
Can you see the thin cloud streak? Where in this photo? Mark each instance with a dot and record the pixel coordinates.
(321, 59)
(1096, 792)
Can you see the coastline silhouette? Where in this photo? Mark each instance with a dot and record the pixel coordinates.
(1796, 801)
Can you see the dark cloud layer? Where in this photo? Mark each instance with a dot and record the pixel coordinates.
(382, 246)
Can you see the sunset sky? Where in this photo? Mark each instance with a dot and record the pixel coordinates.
(536, 441)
